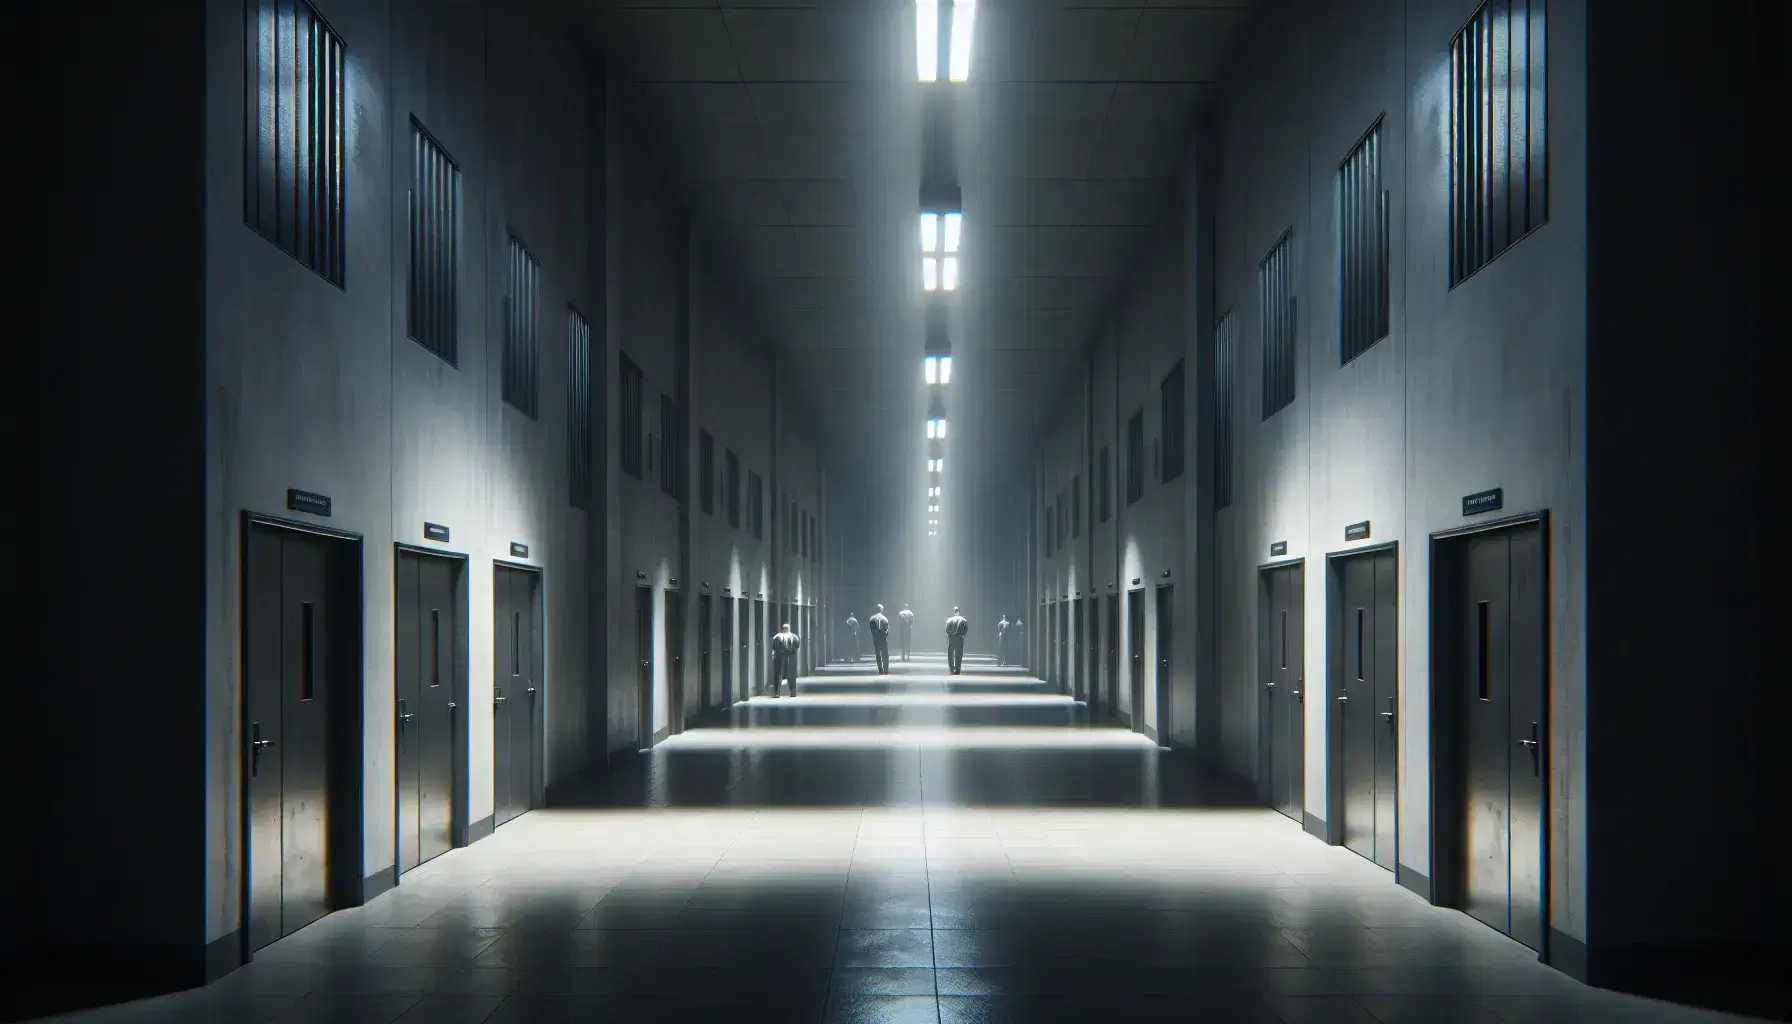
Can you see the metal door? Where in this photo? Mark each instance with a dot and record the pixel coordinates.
(1368, 719)
(1166, 659)
(1281, 647)
(287, 686)
(761, 669)
(1064, 646)
(707, 694)
(425, 663)
(1079, 631)
(1092, 680)
(725, 646)
(1135, 649)
(675, 710)
(516, 693)
(1502, 644)
(1110, 696)
(744, 664)
(644, 662)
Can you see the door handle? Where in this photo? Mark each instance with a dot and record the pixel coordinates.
(403, 719)
(452, 705)
(530, 691)
(1343, 698)
(1389, 713)
(1526, 744)
(1270, 685)
(1297, 696)
(499, 700)
(259, 744)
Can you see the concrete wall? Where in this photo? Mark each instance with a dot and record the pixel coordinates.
(1478, 386)
(318, 388)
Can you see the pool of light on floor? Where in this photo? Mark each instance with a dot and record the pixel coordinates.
(955, 737)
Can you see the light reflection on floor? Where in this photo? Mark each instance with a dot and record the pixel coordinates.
(900, 872)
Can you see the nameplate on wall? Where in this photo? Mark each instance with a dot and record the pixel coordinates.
(1280, 547)
(436, 532)
(518, 550)
(308, 502)
(1483, 501)
(1357, 531)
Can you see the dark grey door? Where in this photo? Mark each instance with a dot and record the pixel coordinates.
(1281, 660)
(706, 694)
(516, 692)
(644, 662)
(1503, 646)
(744, 642)
(761, 668)
(1079, 632)
(1135, 655)
(1166, 658)
(1092, 681)
(1368, 715)
(726, 648)
(674, 661)
(1110, 696)
(288, 686)
(430, 646)
(1064, 645)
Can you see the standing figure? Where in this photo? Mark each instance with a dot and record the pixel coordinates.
(1017, 641)
(784, 647)
(956, 628)
(1002, 640)
(880, 639)
(852, 626)
(908, 630)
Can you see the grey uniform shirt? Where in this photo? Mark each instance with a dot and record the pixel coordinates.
(852, 624)
(785, 644)
(957, 626)
(880, 625)
(907, 617)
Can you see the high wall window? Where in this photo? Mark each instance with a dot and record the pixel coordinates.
(671, 450)
(1225, 399)
(1104, 483)
(1275, 309)
(756, 504)
(630, 412)
(1362, 249)
(1076, 506)
(522, 294)
(578, 408)
(731, 486)
(294, 159)
(1499, 138)
(432, 291)
(706, 472)
(1135, 457)
(1175, 436)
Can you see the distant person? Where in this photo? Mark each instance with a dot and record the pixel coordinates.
(1017, 642)
(908, 630)
(956, 628)
(784, 647)
(852, 626)
(1002, 640)
(880, 639)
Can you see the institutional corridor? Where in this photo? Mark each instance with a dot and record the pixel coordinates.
(917, 847)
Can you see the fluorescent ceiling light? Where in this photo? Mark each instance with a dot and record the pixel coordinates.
(930, 233)
(927, 40)
(949, 274)
(933, 427)
(945, 369)
(942, 429)
(930, 369)
(954, 227)
(958, 60)
(930, 273)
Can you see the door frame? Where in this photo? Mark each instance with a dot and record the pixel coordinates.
(1265, 770)
(347, 797)
(1334, 721)
(537, 784)
(1162, 682)
(460, 801)
(645, 734)
(1445, 834)
(1135, 679)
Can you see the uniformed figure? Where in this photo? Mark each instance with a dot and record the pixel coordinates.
(852, 626)
(1002, 641)
(879, 626)
(784, 647)
(908, 630)
(956, 628)
(1017, 641)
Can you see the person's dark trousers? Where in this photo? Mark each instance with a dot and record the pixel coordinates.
(880, 645)
(1002, 651)
(954, 654)
(782, 666)
(907, 641)
(855, 648)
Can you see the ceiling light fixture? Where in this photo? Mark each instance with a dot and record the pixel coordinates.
(927, 40)
(958, 37)
(958, 57)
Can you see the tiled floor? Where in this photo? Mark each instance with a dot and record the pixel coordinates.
(790, 866)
